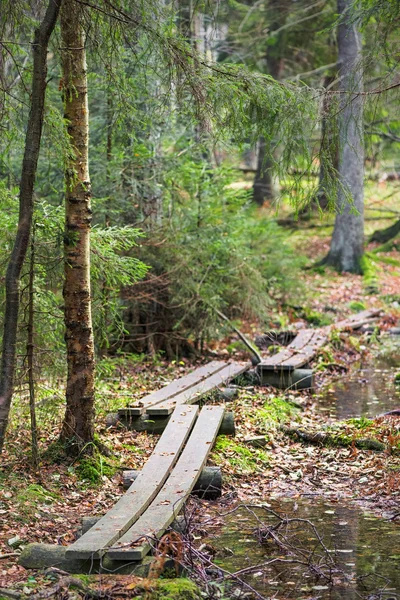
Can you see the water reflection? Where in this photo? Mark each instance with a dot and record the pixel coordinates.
(370, 389)
(365, 550)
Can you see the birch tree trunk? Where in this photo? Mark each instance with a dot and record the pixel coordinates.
(78, 426)
(347, 245)
(28, 176)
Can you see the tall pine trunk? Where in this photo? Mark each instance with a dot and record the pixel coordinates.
(78, 426)
(21, 243)
(347, 245)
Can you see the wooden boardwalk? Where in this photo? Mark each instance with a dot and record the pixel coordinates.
(308, 341)
(159, 491)
(186, 390)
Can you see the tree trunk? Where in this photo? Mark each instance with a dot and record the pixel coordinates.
(263, 186)
(28, 175)
(329, 158)
(347, 245)
(78, 427)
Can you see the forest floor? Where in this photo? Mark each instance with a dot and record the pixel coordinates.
(48, 506)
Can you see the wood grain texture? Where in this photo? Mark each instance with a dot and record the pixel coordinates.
(142, 491)
(136, 543)
(172, 389)
(195, 392)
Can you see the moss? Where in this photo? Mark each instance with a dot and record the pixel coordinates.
(316, 318)
(397, 378)
(176, 589)
(361, 423)
(277, 410)
(357, 306)
(29, 498)
(241, 457)
(369, 271)
(93, 469)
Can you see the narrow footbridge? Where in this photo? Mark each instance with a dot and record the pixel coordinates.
(157, 495)
(129, 530)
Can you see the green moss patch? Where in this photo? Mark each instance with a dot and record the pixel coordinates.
(243, 459)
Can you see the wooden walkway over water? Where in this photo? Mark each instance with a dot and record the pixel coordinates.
(132, 526)
(308, 341)
(128, 531)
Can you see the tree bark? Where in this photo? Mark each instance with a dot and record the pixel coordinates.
(28, 175)
(78, 426)
(329, 160)
(263, 186)
(347, 245)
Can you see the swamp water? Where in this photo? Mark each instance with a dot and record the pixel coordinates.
(359, 554)
(363, 557)
(370, 389)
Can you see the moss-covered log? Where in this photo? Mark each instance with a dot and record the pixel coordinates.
(321, 438)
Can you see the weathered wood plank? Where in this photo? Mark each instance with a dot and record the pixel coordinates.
(284, 359)
(306, 353)
(356, 320)
(194, 393)
(172, 389)
(152, 524)
(308, 341)
(142, 491)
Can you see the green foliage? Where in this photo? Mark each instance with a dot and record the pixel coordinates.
(213, 252)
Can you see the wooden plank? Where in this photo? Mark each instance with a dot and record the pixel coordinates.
(357, 320)
(134, 545)
(308, 341)
(305, 354)
(194, 393)
(142, 491)
(304, 337)
(172, 389)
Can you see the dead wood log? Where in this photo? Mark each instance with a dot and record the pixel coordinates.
(208, 486)
(43, 556)
(157, 424)
(299, 379)
(321, 438)
(180, 524)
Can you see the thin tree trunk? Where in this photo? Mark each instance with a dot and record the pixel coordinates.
(329, 160)
(28, 175)
(30, 355)
(263, 186)
(78, 426)
(347, 245)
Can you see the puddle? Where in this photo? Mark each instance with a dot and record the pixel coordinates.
(364, 552)
(369, 390)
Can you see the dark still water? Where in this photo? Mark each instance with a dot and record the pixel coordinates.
(348, 555)
(369, 389)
